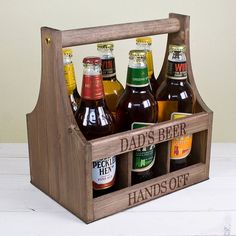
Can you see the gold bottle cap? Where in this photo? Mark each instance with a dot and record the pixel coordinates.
(137, 53)
(67, 51)
(147, 40)
(177, 48)
(105, 45)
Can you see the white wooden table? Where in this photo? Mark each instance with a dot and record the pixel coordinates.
(208, 208)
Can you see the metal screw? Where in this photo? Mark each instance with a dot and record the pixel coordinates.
(48, 40)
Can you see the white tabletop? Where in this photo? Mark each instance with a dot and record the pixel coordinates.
(208, 208)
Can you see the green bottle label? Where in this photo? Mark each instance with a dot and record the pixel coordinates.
(143, 158)
(137, 77)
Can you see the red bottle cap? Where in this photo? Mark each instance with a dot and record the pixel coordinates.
(92, 60)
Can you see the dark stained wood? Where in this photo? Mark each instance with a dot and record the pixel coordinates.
(118, 201)
(60, 156)
(60, 169)
(116, 32)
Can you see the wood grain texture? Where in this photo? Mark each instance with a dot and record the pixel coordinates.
(57, 161)
(120, 200)
(117, 32)
(124, 166)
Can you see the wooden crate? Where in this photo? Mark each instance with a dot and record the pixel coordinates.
(61, 158)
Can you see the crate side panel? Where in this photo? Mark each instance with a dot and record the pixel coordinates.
(50, 126)
(38, 153)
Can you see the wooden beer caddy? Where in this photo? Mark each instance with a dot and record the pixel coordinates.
(61, 158)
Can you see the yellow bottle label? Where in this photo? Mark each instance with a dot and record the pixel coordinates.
(165, 109)
(180, 147)
(69, 74)
(149, 63)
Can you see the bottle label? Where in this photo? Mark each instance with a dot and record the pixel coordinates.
(177, 70)
(92, 87)
(149, 64)
(165, 109)
(137, 77)
(108, 68)
(69, 74)
(103, 173)
(180, 147)
(143, 158)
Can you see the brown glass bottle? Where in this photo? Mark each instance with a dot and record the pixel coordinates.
(137, 108)
(176, 99)
(95, 121)
(69, 74)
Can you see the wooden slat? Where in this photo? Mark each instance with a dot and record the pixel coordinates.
(138, 194)
(119, 31)
(111, 145)
(124, 166)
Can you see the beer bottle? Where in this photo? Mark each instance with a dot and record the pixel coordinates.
(69, 74)
(145, 43)
(176, 99)
(112, 87)
(137, 108)
(95, 121)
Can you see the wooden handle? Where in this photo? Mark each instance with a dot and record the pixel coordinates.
(120, 31)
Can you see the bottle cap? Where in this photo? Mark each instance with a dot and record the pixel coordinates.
(137, 53)
(92, 60)
(177, 48)
(105, 45)
(67, 51)
(147, 40)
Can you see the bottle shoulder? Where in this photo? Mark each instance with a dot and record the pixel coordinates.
(94, 120)
(174, 90)
(113, 85)
(133, 97)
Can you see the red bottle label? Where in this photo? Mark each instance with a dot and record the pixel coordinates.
(177, 70)
(92, 88)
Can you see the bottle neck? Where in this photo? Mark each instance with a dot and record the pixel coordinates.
(137, 74)
(108, 68)
(92, 86)
(149, 59)
(92, 103)
(177, 70)
(177, 82)
(69, 74)
(149, 64)
(177, 66)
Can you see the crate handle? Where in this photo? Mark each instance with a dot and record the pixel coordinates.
(84, 36)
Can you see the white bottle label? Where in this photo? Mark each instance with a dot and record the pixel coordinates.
(103, 173)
